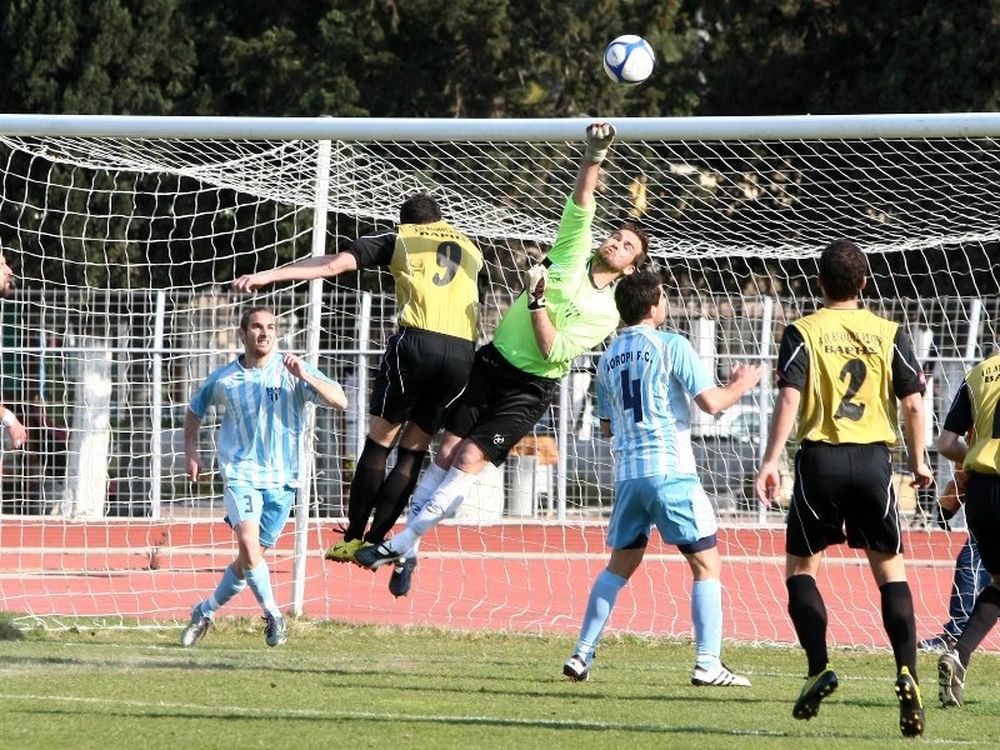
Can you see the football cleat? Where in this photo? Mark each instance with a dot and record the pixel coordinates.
(402, 576)
(911, 704)
(937, 644)
(274, 629)
(196, 628)
(343, 551)
(375, 556)
(817, 687)
(577, 668)
(951, 679)
(717, 676)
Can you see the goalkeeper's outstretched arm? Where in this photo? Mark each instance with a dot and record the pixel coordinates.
(599, 137)
(317, 267)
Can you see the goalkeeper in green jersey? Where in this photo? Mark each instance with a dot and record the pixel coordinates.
(567, 308)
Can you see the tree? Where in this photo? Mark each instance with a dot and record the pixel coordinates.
(105, 56)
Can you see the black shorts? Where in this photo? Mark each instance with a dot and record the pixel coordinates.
(500, 405)
(421, 376)
(843, 486)
(982, 513)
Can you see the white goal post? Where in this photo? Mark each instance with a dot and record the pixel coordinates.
(126, 231)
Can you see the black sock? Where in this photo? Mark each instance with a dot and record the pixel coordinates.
(981, 621)
(808, 613)
(900, 626)
(369, 475)
(396, 490)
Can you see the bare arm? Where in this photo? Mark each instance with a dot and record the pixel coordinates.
(317, 267)
(192, 427)
(768, 478)
(606, 428)
(913, 434)
(331, 392)
(719, 398)
(18, 434)
(952, 446)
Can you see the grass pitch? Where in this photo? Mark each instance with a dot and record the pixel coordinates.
(335, 686)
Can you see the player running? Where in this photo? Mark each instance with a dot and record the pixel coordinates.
(264, 394)
(975, 406)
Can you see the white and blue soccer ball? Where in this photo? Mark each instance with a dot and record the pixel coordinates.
(629, 60)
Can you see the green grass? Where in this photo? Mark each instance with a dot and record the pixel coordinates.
(336, 686)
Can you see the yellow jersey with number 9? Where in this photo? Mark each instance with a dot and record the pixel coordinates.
(436, 269)
(849, 396)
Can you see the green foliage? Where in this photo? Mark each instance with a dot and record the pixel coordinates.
(849, 56)
(104, 56)
(495, 58)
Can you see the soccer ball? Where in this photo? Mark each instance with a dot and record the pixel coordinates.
(629, 60)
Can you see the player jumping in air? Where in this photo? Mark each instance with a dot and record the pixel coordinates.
(426, 363)
(566, 309)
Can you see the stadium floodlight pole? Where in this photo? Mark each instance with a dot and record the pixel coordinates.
(782, 127)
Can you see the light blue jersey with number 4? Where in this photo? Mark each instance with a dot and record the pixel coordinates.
(645, 382)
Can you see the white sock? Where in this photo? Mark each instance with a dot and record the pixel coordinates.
(429, 481)
(450, 494)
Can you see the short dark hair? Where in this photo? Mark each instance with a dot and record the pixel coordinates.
(245, 318)
(638, 231)
(635, 294)
(842, 268)
(419, 208)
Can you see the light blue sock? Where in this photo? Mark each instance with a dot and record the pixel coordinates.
(602, 600)
(228, 587)
(259, 580)
(706, 614)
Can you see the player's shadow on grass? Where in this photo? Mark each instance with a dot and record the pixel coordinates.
(114, 663)
(8, 630)
(241, 715)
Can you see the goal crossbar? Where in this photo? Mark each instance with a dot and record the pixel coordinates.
(781, 127)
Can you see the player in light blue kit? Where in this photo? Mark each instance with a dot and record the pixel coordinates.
(264, 393)
(645, 379)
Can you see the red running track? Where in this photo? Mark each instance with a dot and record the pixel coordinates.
(517, 577)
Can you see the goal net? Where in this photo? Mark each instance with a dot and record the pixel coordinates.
(125, 234)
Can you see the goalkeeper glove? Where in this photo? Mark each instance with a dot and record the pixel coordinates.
(535, 286)
(599, 137)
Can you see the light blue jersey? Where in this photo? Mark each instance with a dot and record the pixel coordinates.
(261, 437)
(645, 381)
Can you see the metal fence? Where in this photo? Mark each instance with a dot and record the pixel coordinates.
(106, 376)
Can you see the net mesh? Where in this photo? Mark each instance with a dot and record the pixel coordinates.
(125, 248)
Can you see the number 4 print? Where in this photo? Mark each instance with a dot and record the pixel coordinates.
(632, 396)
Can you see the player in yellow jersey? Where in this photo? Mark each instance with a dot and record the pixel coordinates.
(841, 370)
(425, 366)
(975, 406)
(567, 308)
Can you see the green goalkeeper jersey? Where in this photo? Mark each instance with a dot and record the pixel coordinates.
(582, 314)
